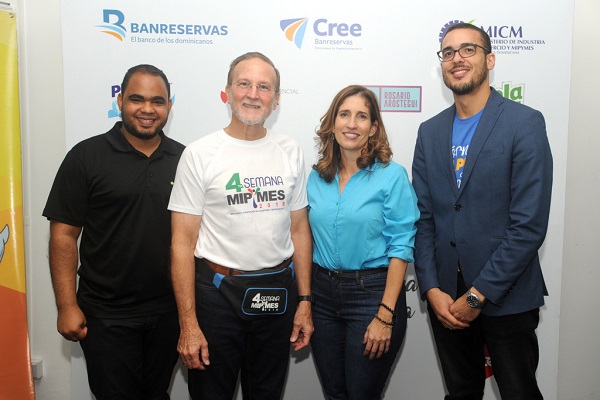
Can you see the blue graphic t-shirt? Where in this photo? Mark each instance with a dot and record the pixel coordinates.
(462, 133)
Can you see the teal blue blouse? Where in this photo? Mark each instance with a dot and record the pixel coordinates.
(372, 220)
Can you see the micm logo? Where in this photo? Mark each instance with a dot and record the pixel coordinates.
(448, 25)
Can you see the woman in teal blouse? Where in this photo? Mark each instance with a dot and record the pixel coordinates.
(362, 213)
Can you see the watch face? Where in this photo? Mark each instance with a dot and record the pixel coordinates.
(473, 301)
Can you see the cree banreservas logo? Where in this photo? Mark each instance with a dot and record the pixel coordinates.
(327, 35)
(116, 28)
(294, 29)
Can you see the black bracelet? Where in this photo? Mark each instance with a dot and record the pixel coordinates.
(306, 298)
(389, 324)
(389, 309)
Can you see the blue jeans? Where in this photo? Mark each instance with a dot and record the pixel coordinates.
(131, 358)
(344, 308)
(259, 348)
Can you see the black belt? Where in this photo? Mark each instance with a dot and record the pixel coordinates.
(349, 274)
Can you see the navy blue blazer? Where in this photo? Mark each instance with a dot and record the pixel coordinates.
(496, 222)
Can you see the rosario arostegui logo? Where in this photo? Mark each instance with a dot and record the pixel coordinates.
(398, 98)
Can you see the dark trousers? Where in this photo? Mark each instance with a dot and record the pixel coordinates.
(344, 308)
(513, 348)
(131, 358)
(260, 348)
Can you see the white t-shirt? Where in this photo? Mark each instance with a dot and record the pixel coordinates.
(244, 191)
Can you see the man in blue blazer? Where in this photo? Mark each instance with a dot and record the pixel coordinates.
(482, 171)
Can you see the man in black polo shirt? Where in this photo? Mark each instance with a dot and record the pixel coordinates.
(113, 190)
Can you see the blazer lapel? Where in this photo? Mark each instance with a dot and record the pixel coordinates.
(444, 146)
(490, 115)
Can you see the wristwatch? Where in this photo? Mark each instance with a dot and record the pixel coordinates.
(307, 298)
(473, 300)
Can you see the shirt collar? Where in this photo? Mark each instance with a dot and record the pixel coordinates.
(372, 167)
(116, 138)
(369, 168)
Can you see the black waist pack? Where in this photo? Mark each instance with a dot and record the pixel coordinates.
(255, 294)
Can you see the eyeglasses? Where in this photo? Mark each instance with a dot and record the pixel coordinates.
(246, 86)
(465, 51)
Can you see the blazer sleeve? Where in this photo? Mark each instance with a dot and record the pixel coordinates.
(424, 254)
(530, 190)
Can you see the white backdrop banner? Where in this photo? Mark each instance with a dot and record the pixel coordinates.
(319, 48)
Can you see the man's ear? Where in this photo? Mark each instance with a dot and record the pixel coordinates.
(491, 61)
(227, 94)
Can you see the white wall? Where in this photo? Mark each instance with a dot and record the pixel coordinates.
(42, 102)
(579, 344)
(44, 148)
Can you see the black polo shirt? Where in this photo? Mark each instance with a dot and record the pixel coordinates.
(119, 196)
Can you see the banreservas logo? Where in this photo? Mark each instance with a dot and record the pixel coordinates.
(159, 32)
(116, 28)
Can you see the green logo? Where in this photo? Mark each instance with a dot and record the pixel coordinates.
(512, 92)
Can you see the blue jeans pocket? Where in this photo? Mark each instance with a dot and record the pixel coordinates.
(373, 283)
